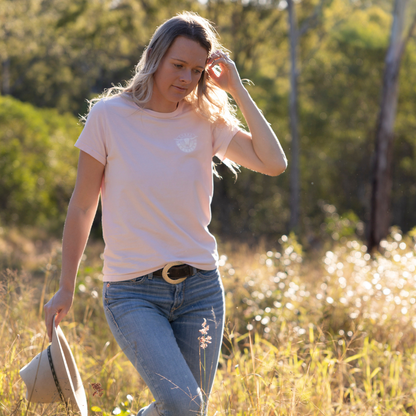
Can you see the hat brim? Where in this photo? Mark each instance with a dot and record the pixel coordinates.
(67, 371)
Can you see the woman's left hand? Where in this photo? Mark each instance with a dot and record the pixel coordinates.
(229, 79)
(260, 149)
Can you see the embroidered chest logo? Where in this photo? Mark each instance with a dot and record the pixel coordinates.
(186, 142)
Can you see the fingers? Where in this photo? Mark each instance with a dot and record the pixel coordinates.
(50, 313)
(54, 309)
(219, 57)
(219, 54)
(48, 321)
(212, 73)
(58, 306)
(59, 315)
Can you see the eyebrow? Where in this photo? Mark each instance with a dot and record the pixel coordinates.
(181, 60)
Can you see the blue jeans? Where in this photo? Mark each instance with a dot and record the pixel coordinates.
(157, 325)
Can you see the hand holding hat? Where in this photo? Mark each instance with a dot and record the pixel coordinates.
(53, 376)
(57, 308)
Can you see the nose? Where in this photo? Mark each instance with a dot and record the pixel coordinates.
(186, 76)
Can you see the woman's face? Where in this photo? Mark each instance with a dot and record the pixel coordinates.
(178, 74)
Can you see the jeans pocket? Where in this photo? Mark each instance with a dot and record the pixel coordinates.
(136, 281)
(208, 274)
(117, 290)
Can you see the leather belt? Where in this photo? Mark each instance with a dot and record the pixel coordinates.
(175, 272)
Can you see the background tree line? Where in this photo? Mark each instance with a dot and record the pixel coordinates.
(56, 53)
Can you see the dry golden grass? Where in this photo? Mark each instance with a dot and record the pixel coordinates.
(333, 334)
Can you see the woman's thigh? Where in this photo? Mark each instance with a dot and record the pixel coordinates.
(198, 324)
(138, 315)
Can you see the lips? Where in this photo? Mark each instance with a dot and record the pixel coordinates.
(181, 89)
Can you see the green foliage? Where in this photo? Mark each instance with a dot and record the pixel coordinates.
(346, 226)
(366, 29)
(37, 163)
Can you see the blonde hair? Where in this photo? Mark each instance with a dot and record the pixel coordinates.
(209, 100)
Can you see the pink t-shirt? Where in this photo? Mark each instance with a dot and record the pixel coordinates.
(157, 186)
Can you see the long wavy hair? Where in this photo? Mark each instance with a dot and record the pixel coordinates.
(209, 100)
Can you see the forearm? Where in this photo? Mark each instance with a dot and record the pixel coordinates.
(81, 212)
(76, 231)
(265, 143)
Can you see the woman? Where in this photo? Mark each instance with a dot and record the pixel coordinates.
(148, 149)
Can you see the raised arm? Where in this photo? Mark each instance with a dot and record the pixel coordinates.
(260, 149)
(81, 212)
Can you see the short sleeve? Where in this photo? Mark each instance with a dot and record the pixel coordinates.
(222, 136)
(92, 139)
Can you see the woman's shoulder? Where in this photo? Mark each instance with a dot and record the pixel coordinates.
(119, 100)
(108, 106)
(213, 120)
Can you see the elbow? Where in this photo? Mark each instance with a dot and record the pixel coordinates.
(277, 169)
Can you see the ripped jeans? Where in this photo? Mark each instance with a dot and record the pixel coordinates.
(158, 326)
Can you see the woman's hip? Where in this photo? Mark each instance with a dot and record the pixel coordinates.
(203, 290)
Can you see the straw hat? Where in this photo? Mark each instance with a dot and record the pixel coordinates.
(52, 376)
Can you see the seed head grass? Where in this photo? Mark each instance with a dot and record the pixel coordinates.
(329, 332)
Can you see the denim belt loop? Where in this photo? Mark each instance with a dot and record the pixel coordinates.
(150, 276)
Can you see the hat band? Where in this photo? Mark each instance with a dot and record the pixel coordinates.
(55, 378)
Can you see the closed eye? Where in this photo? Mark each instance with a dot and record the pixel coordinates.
(180, 66)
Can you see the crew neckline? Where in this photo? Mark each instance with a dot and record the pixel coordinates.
(153, 113)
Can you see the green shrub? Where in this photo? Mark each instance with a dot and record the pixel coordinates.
(37, 163)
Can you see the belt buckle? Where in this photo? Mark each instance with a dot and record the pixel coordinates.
(165, 273)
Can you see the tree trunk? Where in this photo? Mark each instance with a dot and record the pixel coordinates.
(293, 113)
(382, 180)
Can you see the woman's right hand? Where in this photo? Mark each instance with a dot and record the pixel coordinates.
(59, 305)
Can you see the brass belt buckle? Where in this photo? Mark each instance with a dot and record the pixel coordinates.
(165, 273)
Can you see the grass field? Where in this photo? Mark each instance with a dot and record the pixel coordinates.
(330, 332)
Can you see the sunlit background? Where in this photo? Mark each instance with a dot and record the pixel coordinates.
(316, 322)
